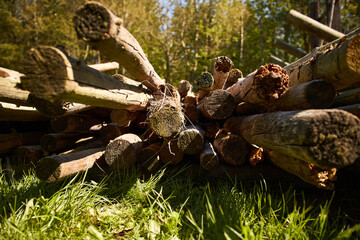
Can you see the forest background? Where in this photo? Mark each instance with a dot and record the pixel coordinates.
(180, 37)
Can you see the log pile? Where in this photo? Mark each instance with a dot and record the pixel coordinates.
(303, 119)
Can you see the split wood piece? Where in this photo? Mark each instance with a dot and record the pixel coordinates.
(337, 62)
(148, 157)
(75, 123)
(123, 117)
(222, 68)
(103, 67)
(101, 29)
(312, 26)
(205, 83)
(266, 84)
(289, 48)
(85, 145)
(170, 153)
(327, 138)
(53, 76)
(208, 157)
(233, 77)
(12, 140)
(11, 112)
(310, 173)
(27, 154)
(348, 97)
(184, 87)
(55, 142)
(56, 167)
(219, 104)
(353, 109)
(191, 140)
(211, 128)
(315, 94)
(233, 148)
(110, 132)
(246, 109)
(9, 79)
(121, 153)
(278, 61)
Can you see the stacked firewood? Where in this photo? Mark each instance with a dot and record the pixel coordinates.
(303, 119)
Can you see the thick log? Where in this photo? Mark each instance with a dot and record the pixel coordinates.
(27, 154)
(245, 109)
(205, 83)
(121, 153)
(170, 153)
(222, 68)
(232, 148)
(289, 48)
(53, 76)
(348, 97)
(104, 31)
(148, 157)
(266, 84)
(85, 145)
(208, 157)
(55, 142)
(9, 79)
(110, 132)
(11, 112)
(184, 87)
(337, 62)
(75, 123)
(310, 173)
(219, 104)
(233, 77)
(353, 109)
(57, 167)
(12, 140)
(327, 138)
(103, 67)
(123, 117)
(312, 26)
(315, 94)
(191, 140)
(278, 61)
(192, 113)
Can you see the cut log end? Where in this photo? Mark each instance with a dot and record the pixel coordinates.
(232, 148)
(320, 99)
(206, 80)
(47, 169)
(233, 77)
(219, 104)
(223, 64)
(191, 141)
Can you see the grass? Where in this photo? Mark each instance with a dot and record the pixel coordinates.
(160, 207)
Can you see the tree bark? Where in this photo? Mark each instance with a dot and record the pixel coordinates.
(55, 142)
(312, 26)
(219, 104)
(170, 153)
(104, 31)
(233, 148)
(121, 153)
(233, 77)
(208, 157)
(10, 112)
(9, 79)
(75, 123)
(348, 97)
(12, 140)
(51, 75)
(103, 67)
(245, 109)
(326, 138)
(289, 48)
(191, 140)
(211, 128)
(222, 68)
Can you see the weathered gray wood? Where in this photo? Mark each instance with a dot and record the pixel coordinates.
(103, 67)
(8, 90)
(233, 77)
(289, 48)
(219, 104)
(278, 61)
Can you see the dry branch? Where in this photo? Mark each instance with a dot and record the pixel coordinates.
(289, 49)
(103, 67)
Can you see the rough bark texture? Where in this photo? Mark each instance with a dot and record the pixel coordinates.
(289, 49)
(233, 77)
(266, 84)
(56, 167)
(12, 140)
(191, 140)
(233, 148)
(54, 142)
(348, 97)
(222, 68)
(11, 112)
(74, 123)
(121, 153)
(219, 104)
(8, 90)
(104, 31)
(326, 138)
(53, 76)
(208, 157)
(319, 177)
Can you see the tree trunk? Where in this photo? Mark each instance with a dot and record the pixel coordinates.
(11, 112)
(27, 154)
(219, 104)
(110, 132)
(232, 148)
(289, 49)
(104, 31)
(246, 109)
(208, 157)
(333, 14)
(211, 128)
(123, 117)
(75, 123)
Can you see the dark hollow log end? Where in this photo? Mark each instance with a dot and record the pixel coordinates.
(335, 139)
(234, 149)
(205, 80)
(120, 154)
(92, 22)
(320, 95)
(28, 154)
(48, 169)
(209, 161)
(223, 64)
(167, 90)
(190, 141)
(270, 82)
(219, 104)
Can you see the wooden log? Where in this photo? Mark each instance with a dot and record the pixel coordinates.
(208, 157)
(110, 132)
(9, 92)
(75, 123)
(232, 148)
(233, 77)
(278, 61)
(27, 154)
(121, 153)
(12, 140)
(85, 145)
(103, 67)
(192, 113)
(191, 140)
(312, 26)
(222, 68)
(148, 157)
(353, 109)
(211, 128)
(170, 153)
(55, 142)
(205, 83)
(123, 117)
(184, 87)
(289, 48)
(348, 97)
(315, 94)
(245, 109)
(53, 76)
(310, 173)
(336, 62)
(56, 167)
(104, 31)
(266, 84)
(327, 138)
(219, 104)
(11, 112)
(190, 100)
